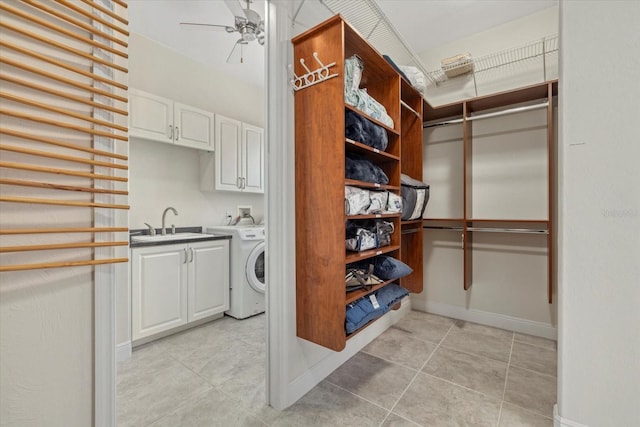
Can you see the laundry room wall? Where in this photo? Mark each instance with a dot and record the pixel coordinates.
(163, 175)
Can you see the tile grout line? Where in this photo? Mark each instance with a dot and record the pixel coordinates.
(417, 374)
(358, 396)
(506, 379)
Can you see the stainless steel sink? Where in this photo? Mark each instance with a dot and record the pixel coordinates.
(169, 237)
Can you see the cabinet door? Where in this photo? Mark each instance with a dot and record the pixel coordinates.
(208, 279)
(193, 127)
(158, 289)
(227, 155)
(252, 158)
(150, 116)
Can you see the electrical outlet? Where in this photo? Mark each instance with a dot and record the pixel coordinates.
(229, 217)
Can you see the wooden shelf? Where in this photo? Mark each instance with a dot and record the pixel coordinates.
(410, 222)
(368, 117)
(364, 184)
(374, 216)
(369, 152)
(359, 256)
(443, 219)
(356, 295)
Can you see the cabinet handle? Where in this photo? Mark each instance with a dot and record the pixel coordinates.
(171, 132)
(244, 182)
(239, 183)
(191, 250)
(185, 256)
(177, 133)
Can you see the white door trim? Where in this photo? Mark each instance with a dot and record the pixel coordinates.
(278, 191)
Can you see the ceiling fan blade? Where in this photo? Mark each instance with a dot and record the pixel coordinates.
(235, 7)
(236, 56)
(198, 26)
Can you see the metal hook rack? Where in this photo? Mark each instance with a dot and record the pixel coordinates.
(311, 78)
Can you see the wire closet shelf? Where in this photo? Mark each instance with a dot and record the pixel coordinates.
(537, 49)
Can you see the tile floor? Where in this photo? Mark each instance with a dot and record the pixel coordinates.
(427, 370)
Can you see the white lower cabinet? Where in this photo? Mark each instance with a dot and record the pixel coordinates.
(172, 285)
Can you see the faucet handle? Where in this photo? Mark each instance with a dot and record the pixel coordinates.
(173, 229)
(152, 231)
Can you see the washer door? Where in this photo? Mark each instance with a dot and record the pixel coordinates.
(255, 268)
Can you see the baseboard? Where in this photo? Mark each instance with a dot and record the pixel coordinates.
(123, 351)
(490, 319)
(558, 421)
(312, 376)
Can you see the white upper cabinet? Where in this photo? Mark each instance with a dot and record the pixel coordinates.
(252, 154)
(150, 116)
(239, 158)
(161, 119)
(193, 127)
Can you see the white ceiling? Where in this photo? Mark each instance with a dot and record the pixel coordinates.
(422, 23)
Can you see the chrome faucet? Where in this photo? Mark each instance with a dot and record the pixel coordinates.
(164, 214)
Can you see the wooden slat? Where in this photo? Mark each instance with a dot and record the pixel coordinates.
(61, 79)
(61, 124)
(49, 42)
(44, 23)
(62, 94)
(14, 231)
(62, 111)
(11, 199)
(50, 155)
(54, 186)
(92, 16)
(61, 64)
(89, 28)
(26, 248)
(106, 11)
(33, 168)
(121, 3)
(61, 264)
(50, 141)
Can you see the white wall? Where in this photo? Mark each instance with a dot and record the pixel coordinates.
(599, 351)
(163, 175)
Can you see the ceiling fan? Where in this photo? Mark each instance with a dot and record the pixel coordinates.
(248, 23)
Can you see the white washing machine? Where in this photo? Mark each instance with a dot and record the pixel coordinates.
(247, 269)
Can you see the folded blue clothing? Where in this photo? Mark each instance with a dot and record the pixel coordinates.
(361, 311)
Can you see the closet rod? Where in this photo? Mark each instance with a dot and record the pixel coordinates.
(509, 230)
(487, 115)
(443, 123)
(509, 111)
(405, 105)
(439, 227)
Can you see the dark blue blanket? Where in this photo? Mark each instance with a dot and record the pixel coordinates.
(360, 312)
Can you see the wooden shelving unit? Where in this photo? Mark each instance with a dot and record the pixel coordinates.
(466, 112)
(321, 146)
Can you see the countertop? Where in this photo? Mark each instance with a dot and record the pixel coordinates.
(145, 232)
